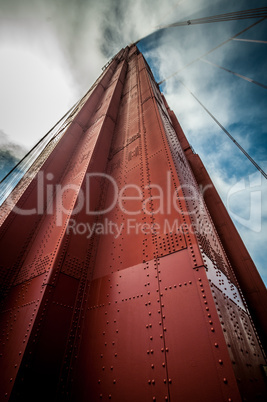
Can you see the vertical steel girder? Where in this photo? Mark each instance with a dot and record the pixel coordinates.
(129, 315)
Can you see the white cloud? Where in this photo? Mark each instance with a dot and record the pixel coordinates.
(34, 103)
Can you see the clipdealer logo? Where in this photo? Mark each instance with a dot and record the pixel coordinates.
(248, 210)
(66, 201)
(131, 226)
(52, 199)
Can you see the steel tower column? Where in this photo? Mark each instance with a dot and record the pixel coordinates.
(143, 306)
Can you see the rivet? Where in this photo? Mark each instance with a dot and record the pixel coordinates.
(220, 361)
(212, 329)
(225, 380)
(216, 345)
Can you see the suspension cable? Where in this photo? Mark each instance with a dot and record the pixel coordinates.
(238, 15)
(34, 149)
(227, 133)
(37, 144)
(212, 50)
(251, 40)
(232, 72)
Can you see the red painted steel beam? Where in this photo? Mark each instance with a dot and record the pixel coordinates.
(248, 277)
(147, 306)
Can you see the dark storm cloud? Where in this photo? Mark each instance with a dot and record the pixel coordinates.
(88, 32)
(74, 26)
(118, 27)
(10, 154)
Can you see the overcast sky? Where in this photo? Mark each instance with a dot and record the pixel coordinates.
(51, 51)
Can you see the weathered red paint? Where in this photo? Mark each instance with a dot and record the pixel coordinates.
(138, 317)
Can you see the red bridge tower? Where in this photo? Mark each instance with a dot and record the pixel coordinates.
(119, 281)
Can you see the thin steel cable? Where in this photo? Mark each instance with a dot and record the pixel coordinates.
(212, 50)
(15, 176)
(25, 163)
(34, 148)
(251, 40)
(227, 132)
(236, 74)
(238, 15)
